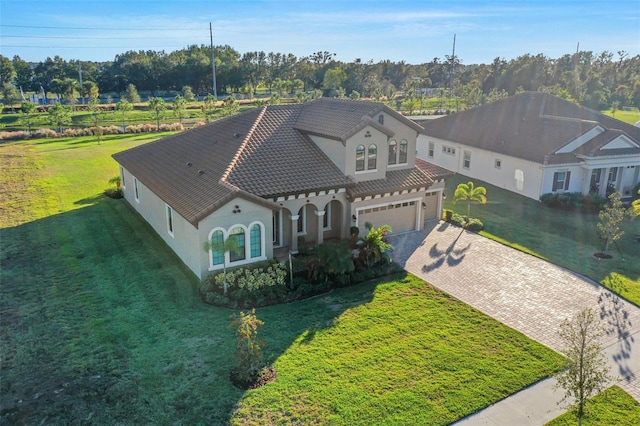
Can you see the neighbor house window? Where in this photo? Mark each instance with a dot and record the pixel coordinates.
(372, 157)
(170, 220)
(360, 158)
(381, 119)
(302, 221)
(217, 252)
(392, 152)
(466, 162)
(255, 235)
(122, 181)
(135, 189)
(431, 149)
(448, 150)
(237, 235)
(613, 176)
(402, 156)
(561, 181)
(498, 163)
(326, 219)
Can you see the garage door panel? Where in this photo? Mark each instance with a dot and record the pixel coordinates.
(400, 216)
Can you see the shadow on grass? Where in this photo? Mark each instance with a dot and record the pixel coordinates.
(618, 324)
(90, 200)
(102, 321)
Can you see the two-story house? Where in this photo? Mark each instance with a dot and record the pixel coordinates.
(273, 175)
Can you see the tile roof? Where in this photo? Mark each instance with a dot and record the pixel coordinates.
(423, 175)
(260, 154)
(531, 126)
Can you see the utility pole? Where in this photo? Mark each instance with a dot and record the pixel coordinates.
(213, 63)
(80, 74)
(451, 71)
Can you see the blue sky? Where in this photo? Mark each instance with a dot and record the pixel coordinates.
(413, 31)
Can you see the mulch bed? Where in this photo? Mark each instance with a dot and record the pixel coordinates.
(266, 375)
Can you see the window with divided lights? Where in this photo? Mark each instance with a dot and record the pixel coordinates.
(561, 181)
(360, 158)
(431, 149)
(393, 146)
(466, 162)
(217, 240)
(237, 234)
(372, 157)
(255, 243)
(402, 155)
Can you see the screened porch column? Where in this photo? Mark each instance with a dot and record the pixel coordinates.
(294, 233)
(320, 215)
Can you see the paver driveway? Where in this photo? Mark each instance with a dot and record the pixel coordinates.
(526, 293)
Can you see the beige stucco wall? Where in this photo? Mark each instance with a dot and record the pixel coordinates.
(184, 241)
(225, 219)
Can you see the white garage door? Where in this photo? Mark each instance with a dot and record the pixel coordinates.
(400, 216)
(431, 210)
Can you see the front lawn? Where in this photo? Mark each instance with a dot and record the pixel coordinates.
(611, 407)
(568, 239)
(102, 324)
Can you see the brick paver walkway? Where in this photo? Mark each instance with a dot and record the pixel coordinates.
(519, 290)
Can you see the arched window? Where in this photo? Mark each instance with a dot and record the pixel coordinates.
(360, 158)
(217, 253)
(393, 146)
(237, 234)
(302, 221)
(402, 157)
(373, 157)
(255, 240)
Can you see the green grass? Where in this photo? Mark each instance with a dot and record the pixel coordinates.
(102, 324)
(611, 407)
(631, 117)
(568, 239)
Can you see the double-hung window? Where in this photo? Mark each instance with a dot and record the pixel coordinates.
(561, 181)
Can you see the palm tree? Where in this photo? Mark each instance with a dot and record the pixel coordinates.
(225, 246)
(468, 192)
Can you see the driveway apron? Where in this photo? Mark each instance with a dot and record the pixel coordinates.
(528, 294)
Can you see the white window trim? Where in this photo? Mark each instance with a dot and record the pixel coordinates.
(565, 182)
(136, 190)
(247, 246)
(464, 159)
(171, 223)
(406, 144)
(431, 149)
(122, 179)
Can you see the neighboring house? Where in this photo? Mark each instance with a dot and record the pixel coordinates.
(272, 175)
(536, 143)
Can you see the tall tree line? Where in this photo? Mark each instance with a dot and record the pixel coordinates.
(595, 80)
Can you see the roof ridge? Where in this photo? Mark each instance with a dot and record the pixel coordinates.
(240, 150)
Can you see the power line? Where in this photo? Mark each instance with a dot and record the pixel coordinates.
(91, 38)
(164, 30)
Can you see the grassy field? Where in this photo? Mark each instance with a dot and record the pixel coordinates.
(565, 238)
(102, 324)
(611, 407)
(631, 117)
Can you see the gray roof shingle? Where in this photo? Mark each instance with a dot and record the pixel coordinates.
(531, 126)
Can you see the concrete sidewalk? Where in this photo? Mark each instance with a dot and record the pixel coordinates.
(527, 294)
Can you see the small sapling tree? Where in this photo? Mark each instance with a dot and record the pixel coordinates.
(610, 219)
(587, 372)
(250, 370)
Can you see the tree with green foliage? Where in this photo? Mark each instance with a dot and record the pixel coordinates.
(124, 107)
(187, 93)
(95, 111)
(634, 211)
(333, 79)
(224, 246)
(131, 94)
(469, 192)
(10, 95)
(610, 220)
(209, 107)
(157, 107)
(374, 245)
(275, 99)
(59, 115)
(179, 107)
(587, 372)
(330, 258)
(230, 106)
(28, 110)
(249, 359)
(89, 90)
